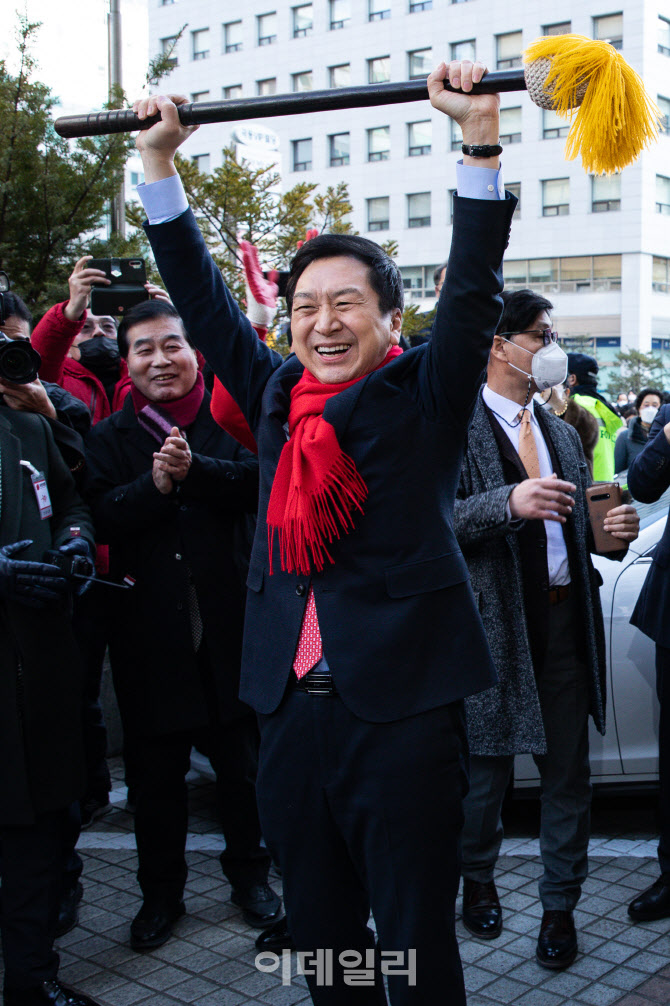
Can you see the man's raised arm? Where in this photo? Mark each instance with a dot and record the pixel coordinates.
(470, 304)
(210, 313)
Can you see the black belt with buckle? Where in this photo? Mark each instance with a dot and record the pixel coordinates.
(558, 594)
(318, 681)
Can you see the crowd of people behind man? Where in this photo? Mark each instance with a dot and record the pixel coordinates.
(379, 754)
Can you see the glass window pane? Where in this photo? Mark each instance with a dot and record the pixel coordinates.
(378, 213)
(340, 13)
(510, 124)
(662, 189)
(232, 36)
(509, 46)
(664, 35)
(553, 125)
(608, 28)
(664, 106)
(516, 272)
(201, 162)
(606, 267)
(659, 270)
(302, 155)
(607, 186)
(515, 189)
(379, 9)
(267, 28)
(200, 43)
(420, 137)
(340, 76)
(302, 81)
(302, 20)
(418, 209)
(420, 63)
(267, 86)
(379, 70)
(200, 96)
(577, 267)
(542, 270)
(556, 191)
(234, 91)
(463, 50)
(379, 143)
(339, 148)
(562, 28)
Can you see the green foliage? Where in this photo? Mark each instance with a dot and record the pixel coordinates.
(415, 322)
(638, 370)
(162, 65)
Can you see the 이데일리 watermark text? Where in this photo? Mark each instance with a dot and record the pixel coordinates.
(320, 963)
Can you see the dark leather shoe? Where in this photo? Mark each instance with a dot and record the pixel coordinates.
(152, 926)
(47, 994)
(276, 937)
(259, 903)
(654, 903)
(68, 910)
(557, 942)
(482, 914)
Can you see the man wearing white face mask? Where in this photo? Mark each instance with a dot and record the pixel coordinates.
(522, 524)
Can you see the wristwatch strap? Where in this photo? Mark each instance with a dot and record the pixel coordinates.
(482, 149)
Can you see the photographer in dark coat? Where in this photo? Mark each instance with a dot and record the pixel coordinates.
(41, 760)
(168, 488)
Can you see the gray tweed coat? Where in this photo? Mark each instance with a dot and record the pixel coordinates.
(506, 719)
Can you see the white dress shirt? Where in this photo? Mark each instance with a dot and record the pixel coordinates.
(508, 414)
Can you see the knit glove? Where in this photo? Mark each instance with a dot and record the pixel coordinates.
(35, 584)
(261, 292)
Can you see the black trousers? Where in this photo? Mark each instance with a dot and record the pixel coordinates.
(364, 816)
(93, 626)
(663, 692)
(32, 861)
(161, 816)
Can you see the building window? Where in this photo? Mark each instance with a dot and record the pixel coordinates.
(200, 96)
(418, 209)
(565, 275)
(664, 35)
(302, 155)
(378, 10)
(340, 14)
(338, 147)
(379, 70)
(379, 143)
(267, 28)
(556, 197)
(378, 213)
(234, 91)
(168, 46)
(232, 36)
(515, 189)
(136, 178)
(660, 275)
(340, 76)
(419, 138)
(420, 63)
(553, 125)
(609, 29)
(664, 107)
(267, 86)
(605, 193)
(456, 136)
(201, 162)
(464, 50)
(200, 43)
(302, 21)
(418, 281)
(416, 6)
(510, 125)
(561, 28)
(302, 81)
(508, 50)
(166, 3)
(662, 194)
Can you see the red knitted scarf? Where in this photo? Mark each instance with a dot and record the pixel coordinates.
(316, 487)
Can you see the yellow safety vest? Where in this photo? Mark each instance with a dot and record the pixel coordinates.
(608, 425)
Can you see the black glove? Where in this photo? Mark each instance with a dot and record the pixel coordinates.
(79, 546)
(35, 584)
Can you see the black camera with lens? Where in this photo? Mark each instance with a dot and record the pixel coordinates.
(69, 563)
(19, 362)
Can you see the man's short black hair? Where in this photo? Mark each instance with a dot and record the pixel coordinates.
(643, 394)
(437, 272)
(383, 274)
(520, 309)
(15, 307)
(584, 367)
(146, 311)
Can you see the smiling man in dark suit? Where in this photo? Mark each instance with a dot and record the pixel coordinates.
(361, 637)
(167, 487)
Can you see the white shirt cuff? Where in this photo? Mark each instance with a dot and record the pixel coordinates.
(478, 183)
(163, 200)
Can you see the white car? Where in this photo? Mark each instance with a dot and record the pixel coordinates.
(627, 756)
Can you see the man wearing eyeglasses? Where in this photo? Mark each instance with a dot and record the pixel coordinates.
(522, 523)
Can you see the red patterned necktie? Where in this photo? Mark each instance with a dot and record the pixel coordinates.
(309, 649)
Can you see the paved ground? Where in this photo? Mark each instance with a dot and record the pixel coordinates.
(210, 961)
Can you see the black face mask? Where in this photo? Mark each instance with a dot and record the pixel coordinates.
(101, 356)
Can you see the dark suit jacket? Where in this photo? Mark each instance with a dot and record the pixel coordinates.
(648, 478)
(41, 757)
(400, 628)
(154, 538)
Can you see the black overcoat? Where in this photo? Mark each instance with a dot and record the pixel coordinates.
(41, 758)
(156, 539)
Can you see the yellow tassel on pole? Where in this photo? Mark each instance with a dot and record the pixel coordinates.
(616, 117)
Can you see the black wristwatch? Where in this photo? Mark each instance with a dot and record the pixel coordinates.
(481, 149)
